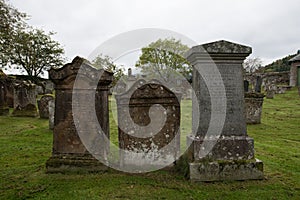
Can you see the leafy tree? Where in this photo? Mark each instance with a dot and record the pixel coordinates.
(252, 64)
(34, 51)
(164, 58)
(106, 63)
(10, 21)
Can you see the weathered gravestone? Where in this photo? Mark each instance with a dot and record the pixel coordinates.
(253, 107)
(69, 153)
(43, 105)
(4, 109)
(149, 122)
(25, 100)
(228, 154)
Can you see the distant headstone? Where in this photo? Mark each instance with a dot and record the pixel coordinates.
(69, 152)
(246, 86)
(253, 107)
(258, 84)
(229, 154)
(44, 106)
(25, 100)
(149, 121)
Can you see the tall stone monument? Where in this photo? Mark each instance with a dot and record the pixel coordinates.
(220, 147)
(69, 153)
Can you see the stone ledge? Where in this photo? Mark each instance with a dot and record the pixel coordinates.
(74, 164)
(226, 171)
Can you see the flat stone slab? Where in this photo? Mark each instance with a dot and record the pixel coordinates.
(226, 170)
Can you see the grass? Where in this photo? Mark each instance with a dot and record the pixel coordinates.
(26, 143)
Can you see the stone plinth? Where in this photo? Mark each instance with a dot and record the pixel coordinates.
(69, 153)
(149, 122)
(253, 107)
(220, 152)
(25, 100)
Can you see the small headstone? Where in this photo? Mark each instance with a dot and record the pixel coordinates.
(253, 107)
(44, 106)
(246, 86)
(25, 100)
(258, 84)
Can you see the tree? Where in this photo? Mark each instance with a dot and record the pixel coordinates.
(165, 58)
(10, 21)
(106, 63)
(34, 51)
(252, 64)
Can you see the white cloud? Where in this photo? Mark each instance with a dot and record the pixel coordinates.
(270, 27)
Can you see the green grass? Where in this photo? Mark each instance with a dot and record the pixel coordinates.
(26, 143)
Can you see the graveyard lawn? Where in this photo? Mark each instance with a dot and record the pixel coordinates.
(25, 145)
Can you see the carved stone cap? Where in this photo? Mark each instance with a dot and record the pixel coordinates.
(79, 67)
(152, 89)
(24, 84)
(219, 50)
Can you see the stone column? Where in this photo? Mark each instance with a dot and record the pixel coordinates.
(228, 155)
(69, 152)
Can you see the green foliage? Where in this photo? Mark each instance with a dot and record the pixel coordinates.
(35, 51)
(279, 65)
(10, 21)
(106, 63)
(22, 47)
(165, 59)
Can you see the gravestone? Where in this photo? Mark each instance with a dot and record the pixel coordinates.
(43, 105)
(139, 116)
(226, 153)
(51, 107)
(270, 91)
(4, 109)
(24, 100)
(69, 153)
(253, 107)
(246, 86)
(258, 84)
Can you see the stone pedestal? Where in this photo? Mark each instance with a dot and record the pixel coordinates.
(253, 107)
(220, 152)
(25, 100)
(69, 153)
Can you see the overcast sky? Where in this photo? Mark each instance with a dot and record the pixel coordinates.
(270, 27)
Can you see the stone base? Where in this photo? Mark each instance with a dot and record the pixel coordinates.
(74, 164)
(4, 111)
(226, 170)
